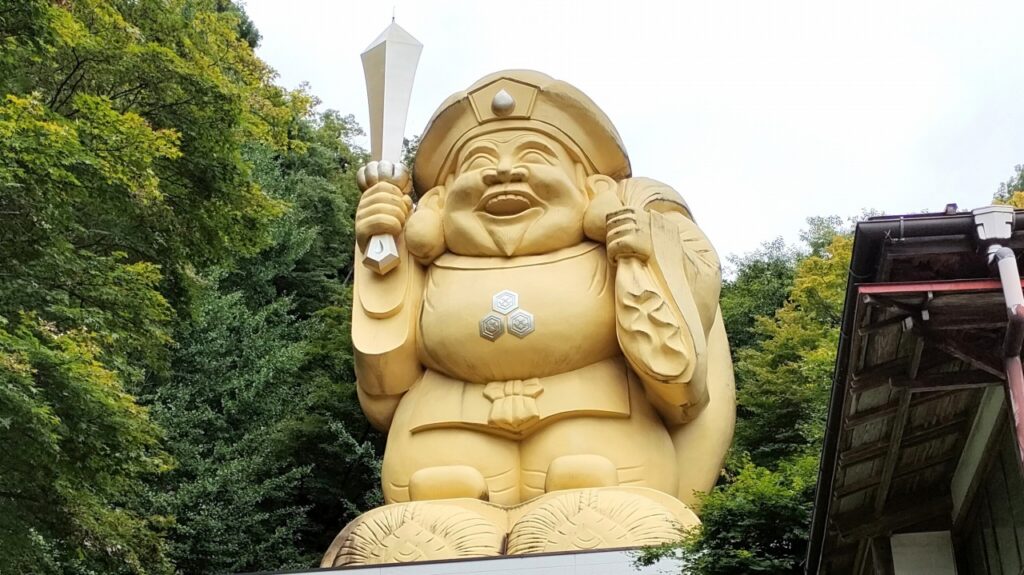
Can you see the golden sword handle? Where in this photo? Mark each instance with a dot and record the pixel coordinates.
(381, 253)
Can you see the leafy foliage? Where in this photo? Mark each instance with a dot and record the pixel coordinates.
(760, 284)
(235, 379)
(327, 433)
(265, 449)
(176, 229)
(783, 382)
(1011, 192)
(75, 448)
(759, 523)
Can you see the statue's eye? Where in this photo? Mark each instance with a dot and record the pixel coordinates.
(478, 162)
(535, 157)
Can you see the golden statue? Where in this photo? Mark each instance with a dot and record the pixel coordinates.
(547, 357)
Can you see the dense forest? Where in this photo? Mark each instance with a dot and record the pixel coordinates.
(176, 387)
(176, 382)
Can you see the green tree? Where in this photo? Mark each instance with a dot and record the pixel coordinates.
(75, 449)
(309, 254)
(235, 382)
(122, 129)
(759, 285)
(80, 325)
(1012, 191)
(310, 262)
(278, 474)
(115, 70)
(783, 382)
(758, 522)
(821, 229)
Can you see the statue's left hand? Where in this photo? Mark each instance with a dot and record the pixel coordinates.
(629, 235)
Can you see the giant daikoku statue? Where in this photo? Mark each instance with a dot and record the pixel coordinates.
(547, 357)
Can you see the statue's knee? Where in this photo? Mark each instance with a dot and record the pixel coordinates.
(580, 471)
(447, 482)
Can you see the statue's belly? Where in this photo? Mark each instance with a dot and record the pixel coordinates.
(559, 316)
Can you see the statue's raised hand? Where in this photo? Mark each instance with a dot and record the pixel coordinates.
(628, 234)
(385, 203)
(625, 231)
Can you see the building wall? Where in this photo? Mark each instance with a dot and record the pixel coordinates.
(923, 554)
(991, 539)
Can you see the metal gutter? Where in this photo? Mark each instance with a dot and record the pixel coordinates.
(870, 237)
(995, 226)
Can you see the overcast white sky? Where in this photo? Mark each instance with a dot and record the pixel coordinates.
(761, 113)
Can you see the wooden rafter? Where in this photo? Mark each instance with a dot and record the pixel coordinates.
(965, 325)
(870, 415)
(859, 559)
(850, 489)
(915, 358)
(969, 379)
(882, 324)
(887, 410)
(893, 456)
(968, 353)
(879, 300)
(856, 525)
(897, 373)
(875, 450)
(879, 373)
(881, 556)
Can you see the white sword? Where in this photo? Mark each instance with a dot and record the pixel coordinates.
(389, 64)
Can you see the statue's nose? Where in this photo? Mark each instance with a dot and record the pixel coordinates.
(505, 173)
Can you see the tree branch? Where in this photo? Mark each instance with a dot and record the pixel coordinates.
(60, 88)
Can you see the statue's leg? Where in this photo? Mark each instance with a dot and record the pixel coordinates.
(586, 451)
(449, 463)
(599, 482)
(435, 483)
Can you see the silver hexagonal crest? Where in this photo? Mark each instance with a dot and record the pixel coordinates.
(520, 323)
(505, 301)
(492, 327)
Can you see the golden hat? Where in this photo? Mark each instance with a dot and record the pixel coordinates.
(519, 99)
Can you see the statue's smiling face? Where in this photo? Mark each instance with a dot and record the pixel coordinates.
(515, 193)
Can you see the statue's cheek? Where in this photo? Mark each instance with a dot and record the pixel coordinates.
(424, 235)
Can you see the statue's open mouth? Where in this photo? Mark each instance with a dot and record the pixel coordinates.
(506, 202)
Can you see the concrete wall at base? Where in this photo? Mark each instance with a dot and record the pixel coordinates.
(923, 554)
(585, 563)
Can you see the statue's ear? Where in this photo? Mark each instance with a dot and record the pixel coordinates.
(599, 184)
(432, 200)
(604, 199)
(424, 232)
